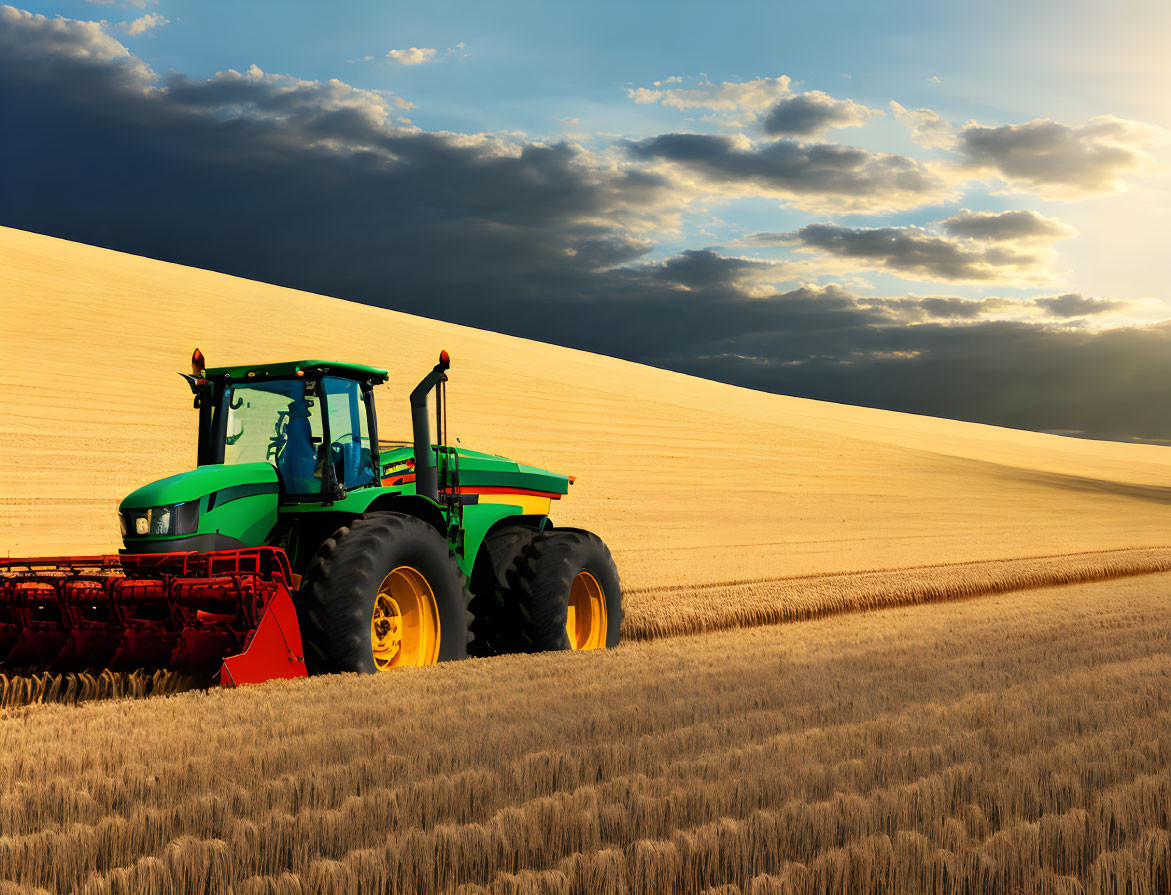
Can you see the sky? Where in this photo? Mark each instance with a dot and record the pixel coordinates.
(958, 210)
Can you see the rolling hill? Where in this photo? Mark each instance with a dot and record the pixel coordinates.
(691, 482)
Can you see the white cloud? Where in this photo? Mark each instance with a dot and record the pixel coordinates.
(826, 178)
(1013, 247)
(1007, 226)
(752, 97)
(927, 128)
(741, 103)
(1073, 304)
(145, 23)
(412, 55)
(1057, 161)
(297, 105)
(810, 114)
(72, 40)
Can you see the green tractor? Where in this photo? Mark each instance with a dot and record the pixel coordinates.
(301, 543)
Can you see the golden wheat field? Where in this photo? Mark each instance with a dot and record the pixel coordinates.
(1019, 743)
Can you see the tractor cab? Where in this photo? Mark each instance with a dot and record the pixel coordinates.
(313, 421)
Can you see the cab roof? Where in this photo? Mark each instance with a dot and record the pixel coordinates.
(289, 369)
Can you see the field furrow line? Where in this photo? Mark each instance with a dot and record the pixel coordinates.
(655, 612)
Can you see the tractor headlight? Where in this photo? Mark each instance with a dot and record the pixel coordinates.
(173, 519)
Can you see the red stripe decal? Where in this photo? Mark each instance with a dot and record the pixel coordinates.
(391, 480)
(484, 489)
(398, 479)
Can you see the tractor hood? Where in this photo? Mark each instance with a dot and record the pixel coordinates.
(216, 507)
(196, 483)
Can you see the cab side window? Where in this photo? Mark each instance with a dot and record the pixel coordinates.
(349, 432)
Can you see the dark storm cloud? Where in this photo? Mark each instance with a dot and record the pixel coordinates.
(1058, 160)
(809, 114)
(1059, 307)
(1006, 226)
(943, 307)
(307, 184)
(853, 177)
(314, 185)
(910, 251)
(1117, 383)
(1074, 305)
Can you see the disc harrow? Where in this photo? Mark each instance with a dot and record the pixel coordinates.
(229, 611)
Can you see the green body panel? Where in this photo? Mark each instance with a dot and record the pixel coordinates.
(197, 483)
(237, 500)
(477, 468)
(478, 520)
(355, 503)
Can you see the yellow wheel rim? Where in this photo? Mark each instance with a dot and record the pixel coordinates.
(404, 629)
(586, 620)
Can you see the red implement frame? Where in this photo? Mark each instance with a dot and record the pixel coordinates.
(195, 613)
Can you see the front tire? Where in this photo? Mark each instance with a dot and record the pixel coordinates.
(567, 592)
(383, 593)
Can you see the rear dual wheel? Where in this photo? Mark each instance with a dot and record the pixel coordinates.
(383, 593)
(566, 591)
(587, 618)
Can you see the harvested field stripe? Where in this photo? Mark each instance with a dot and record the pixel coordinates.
(751, 603)
(655, 613)
(733, 582)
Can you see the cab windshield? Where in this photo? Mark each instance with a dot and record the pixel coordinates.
(282, 423)
(277, 423)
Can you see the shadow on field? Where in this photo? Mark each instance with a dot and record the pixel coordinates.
(1149, 493)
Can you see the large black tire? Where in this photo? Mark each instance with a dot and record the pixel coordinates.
(497, 622)
(336, 599)
(542, 577)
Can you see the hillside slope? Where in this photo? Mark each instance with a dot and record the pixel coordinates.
(690, 481)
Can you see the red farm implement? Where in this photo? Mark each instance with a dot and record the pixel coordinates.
(182, 611)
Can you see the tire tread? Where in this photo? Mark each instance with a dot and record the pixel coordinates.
(540, 580)
(331, 602)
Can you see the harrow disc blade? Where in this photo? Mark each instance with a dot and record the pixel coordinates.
(95, 630)
(146, 648)
(37, 649)
(202, 652)
(91, 648)
(40, 630)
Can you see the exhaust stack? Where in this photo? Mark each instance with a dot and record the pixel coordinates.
(426, 475)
